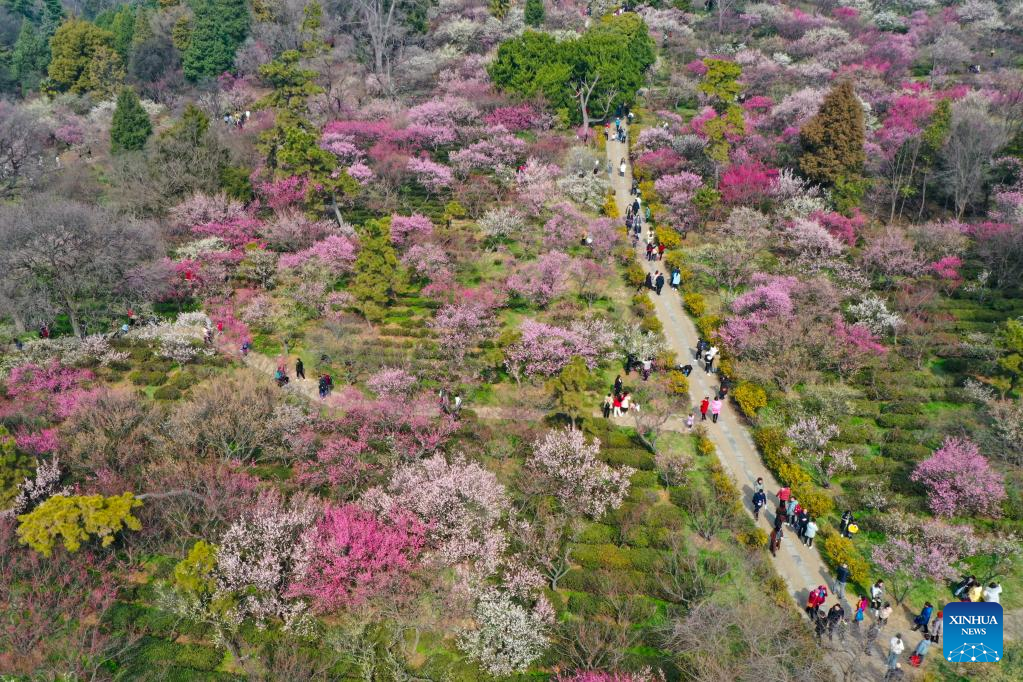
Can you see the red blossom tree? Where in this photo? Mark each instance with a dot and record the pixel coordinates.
(354, 555)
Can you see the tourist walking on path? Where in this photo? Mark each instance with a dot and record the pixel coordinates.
(621, 168)
(299, 369)
(776, 535)
(895, 648)
(884, 614)
(876, 596)
(658, 282)
(861, 609)
(810, 533)
(691, 419)
(715, 409)
(841, 578)
(836, 614)
(617, 388)
(758, 486)
(920, 652)
(759, 500)
(606, 405)
(935, 627)
(923, 620)
(816, 599)
(704, 406)
(784, 493)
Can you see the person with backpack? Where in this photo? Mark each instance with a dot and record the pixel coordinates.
(895, 648)
(861, 609)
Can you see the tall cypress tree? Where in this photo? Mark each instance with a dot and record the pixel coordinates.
(30, 57)
(218, 28)
(535, 13)
(833, 139)
(376, 270)
(131, 126)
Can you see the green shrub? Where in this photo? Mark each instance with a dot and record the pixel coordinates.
(583, 604)
(905, 452)
(146, 377)
(770, 440)
(644, 479)
(750, 398)
(705, 446)
(167, 393)
(665, 516)
(635, 275)
(601, 556)
(695, 304)
(596, 534)
(633, 457)
(837, 550)
(752, 538)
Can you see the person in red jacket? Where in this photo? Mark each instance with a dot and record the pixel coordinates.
(704, 406)
(784, 494)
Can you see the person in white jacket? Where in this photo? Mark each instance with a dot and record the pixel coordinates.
(993, 593)
(895, 648)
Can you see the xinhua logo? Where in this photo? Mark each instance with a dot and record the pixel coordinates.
(972, 632)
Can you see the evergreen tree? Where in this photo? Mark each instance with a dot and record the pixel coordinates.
(568, 390)
(83, 58)
(499, 8)
(833, 139)
(535, 13)
(30, 57)
(218, 28)
(376, 278)
(131, 126)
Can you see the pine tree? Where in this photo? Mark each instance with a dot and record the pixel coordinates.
(218, 28)
(376, 270)
(535, 13)
(30, 57)
(833, 139)
(131, 126)
(568, 390)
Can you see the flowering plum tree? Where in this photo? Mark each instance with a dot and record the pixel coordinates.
(350, 555)
(574, 474)
(462, 504)
(931, 550)
(959, 480)
(508, 637)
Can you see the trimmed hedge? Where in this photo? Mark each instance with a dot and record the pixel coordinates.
(637, 459)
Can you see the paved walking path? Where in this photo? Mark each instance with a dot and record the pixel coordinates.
(801, 567)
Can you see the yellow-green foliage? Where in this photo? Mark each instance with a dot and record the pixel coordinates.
(695, 304)
(771, 442)
(814, 499)
(677, 259)
(634, 275)
(753, 538)
(651, 324)
(194, 573)
(646, 191)
(837, 550)
(75, 519)
(678, 383)
(642, 305)
(705, 446)
(15, 467)
(669, 237)
(708, 325)
(725, 491)
(610, 207)
(750, 398)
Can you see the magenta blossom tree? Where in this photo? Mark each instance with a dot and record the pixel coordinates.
(544, 350)
(409, 229)
(351, 555)
(960, 480)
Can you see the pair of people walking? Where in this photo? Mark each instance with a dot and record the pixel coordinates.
(713, 406)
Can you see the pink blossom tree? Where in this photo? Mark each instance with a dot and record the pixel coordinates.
(931, 550)
(335, 252)
(428, 261)
(535, 181)
(677, 192)
(350, 555)
(544, 350)
(572, 471)
(434, 176)
(462, 326)
(748, 184)
(543, 280)
(461, 503)
(392, 383)
(960, 480)
(52, 391)
(406, 230)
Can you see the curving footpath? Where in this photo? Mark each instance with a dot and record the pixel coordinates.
(801, 567)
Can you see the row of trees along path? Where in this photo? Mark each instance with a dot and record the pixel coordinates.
(801, 567)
